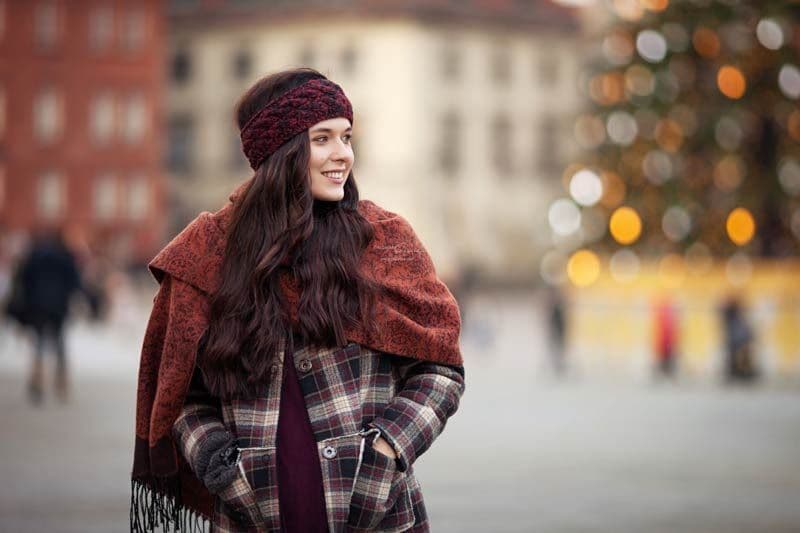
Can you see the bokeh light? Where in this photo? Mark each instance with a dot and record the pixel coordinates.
(657, 166)
(789, 81)
(769, 34)
(698, 258)
(741, 226)
(669, 135)
(564, 217)
(585, 187)
(677, 37)
(625, 225)
(583, 268)
(622, 128)
(655, 5)
(728, 134)
(706, 42)
(651, 45)
(676, 223)
(590, 132)
(731, 82)
(631, 10)
(729, 173)
(624, 266)
(618, 48)
(553, 267)
(789, 176)
(639, 80)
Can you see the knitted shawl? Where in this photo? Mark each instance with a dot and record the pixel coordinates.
(416, 317)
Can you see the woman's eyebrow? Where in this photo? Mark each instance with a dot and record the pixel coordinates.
(328, 130)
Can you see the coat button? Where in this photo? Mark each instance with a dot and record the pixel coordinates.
(329, 452)
(305, 365)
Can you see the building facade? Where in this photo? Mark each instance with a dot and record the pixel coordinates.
(462, 111)
(81, 86)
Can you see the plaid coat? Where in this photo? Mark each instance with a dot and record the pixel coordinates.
(352, 394)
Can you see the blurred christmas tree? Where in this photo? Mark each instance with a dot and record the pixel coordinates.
(692, 138)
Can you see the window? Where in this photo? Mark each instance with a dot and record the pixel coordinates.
(501, 144)
(501, 63)
(242, 64)
(101, 120)
(134, 125)
(105, 196)
(138, 197)
(47, 116)
(46, 25)
(547, 69)
(450, 143)
(51, 195)
(451, 61)
(349, 60)
(181, 66)
(133, 30)
(549, 157)
(101, 28)
(180, 144)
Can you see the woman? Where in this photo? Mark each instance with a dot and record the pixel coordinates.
(301, 353)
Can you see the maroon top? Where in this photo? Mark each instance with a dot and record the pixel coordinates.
(300, 490)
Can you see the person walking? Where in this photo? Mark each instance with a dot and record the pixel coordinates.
(46, 280)
(301, 353)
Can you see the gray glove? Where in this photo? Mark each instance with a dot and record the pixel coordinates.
(217, 461)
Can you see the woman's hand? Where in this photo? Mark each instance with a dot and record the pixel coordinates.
(384, 447)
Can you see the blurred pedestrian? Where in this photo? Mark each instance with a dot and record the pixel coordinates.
(665, 337)
(557, 327)
(45, 281)
(739, 360)
(302, 352)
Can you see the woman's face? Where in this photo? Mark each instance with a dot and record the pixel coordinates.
(331, 158)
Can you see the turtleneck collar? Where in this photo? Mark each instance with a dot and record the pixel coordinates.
(323, 207)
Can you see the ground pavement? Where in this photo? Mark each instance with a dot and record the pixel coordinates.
(525, 453)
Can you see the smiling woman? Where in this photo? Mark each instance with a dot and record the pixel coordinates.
(331, 158)
(301, 353)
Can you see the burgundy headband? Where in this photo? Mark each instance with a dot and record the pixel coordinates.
(291, 113)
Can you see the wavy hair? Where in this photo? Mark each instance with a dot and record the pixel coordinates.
(278, 228)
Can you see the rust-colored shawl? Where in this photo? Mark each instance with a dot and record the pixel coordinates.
(417, 317)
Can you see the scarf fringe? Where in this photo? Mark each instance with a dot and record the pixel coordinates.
(156, 506)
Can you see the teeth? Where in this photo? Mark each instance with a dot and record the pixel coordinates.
(335, 175)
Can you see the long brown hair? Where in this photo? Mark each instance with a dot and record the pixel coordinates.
(276, 225)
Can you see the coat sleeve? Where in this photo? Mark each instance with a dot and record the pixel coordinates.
(428, 397)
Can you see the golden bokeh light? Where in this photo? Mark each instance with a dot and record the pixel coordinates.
(729, 173)
(583, 268)
(706, 42)
(731, 82)
(741, 226)
(630, 10)
(625, 225)
(655, 5)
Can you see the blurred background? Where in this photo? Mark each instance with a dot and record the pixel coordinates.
(611, 189)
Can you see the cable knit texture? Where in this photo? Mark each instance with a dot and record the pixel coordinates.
(291, 113)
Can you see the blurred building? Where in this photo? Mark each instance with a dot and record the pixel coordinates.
(81, 84)
(463, 110)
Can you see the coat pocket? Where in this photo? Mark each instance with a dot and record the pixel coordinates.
(380, 499)
(237, 508)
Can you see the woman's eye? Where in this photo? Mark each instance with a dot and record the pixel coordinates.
(347, 138)
(321, 139)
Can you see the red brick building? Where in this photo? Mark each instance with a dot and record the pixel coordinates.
(81, 85)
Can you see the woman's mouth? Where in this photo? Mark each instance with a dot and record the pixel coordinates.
(336, 176)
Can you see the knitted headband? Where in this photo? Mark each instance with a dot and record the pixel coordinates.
(291, 113)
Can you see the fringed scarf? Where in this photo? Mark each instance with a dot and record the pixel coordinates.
(416, 314)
